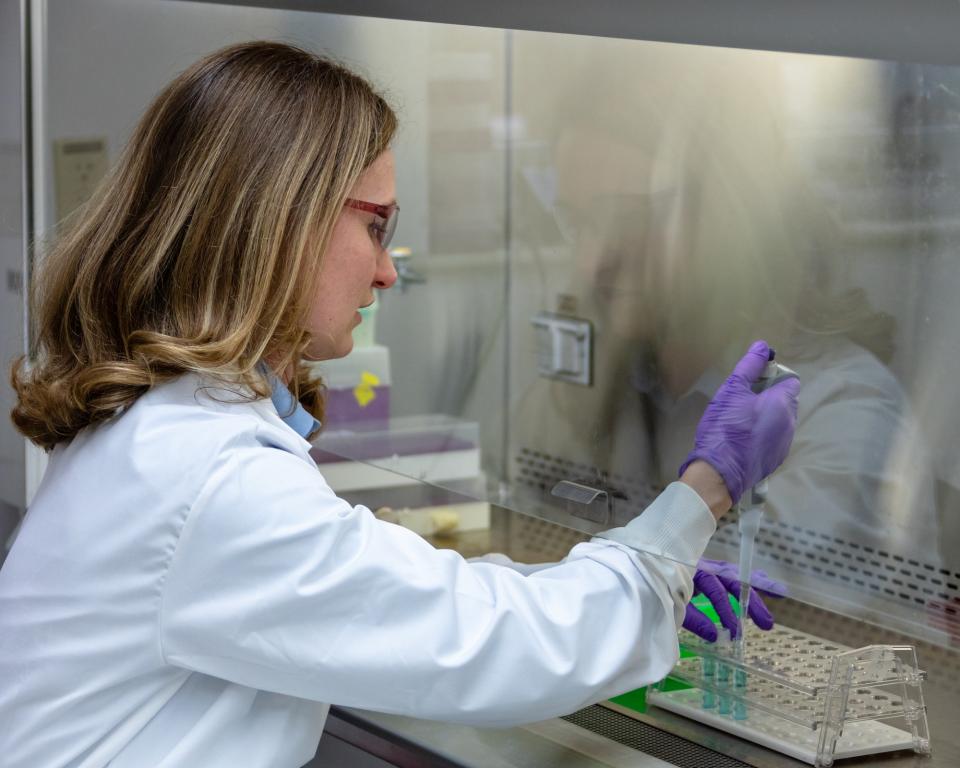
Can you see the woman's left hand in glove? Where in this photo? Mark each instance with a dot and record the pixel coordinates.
(717, 579)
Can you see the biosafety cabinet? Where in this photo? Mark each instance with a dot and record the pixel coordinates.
(602, 205)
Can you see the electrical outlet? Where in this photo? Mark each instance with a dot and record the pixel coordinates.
(563, 347)
(78, 166)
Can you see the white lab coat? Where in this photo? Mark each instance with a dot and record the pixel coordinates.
(187, 590)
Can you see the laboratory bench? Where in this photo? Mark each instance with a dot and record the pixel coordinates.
(609, 735)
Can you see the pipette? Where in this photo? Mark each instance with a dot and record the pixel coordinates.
(752, 511)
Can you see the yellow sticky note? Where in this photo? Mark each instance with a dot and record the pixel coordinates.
(369, 379)
(364, 392)
(364, 395)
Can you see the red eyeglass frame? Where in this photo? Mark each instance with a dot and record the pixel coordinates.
(386, 212)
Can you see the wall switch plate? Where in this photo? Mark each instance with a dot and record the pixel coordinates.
(564, 347)
(78, 167)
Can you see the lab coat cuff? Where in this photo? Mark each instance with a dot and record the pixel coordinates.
(677, 526)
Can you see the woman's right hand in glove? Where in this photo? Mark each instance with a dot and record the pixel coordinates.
(743, 435)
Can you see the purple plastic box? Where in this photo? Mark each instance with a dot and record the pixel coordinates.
(342, 407)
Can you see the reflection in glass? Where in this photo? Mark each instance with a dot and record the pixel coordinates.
(708, 198)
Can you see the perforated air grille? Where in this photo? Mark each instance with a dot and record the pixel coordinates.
(652, 741)
(855, 564)
(899, 581)
(544, 542)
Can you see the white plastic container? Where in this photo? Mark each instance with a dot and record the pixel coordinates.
(364, 335)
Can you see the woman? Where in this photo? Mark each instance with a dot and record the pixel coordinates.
(186, 589)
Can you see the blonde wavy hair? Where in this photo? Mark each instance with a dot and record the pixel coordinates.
(200, 250)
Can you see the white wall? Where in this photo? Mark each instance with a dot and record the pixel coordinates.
(106, 59)
(11, 259)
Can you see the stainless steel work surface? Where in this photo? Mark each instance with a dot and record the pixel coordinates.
(550, 743)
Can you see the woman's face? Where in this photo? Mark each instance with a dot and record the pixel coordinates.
(603, 189)
(353, 266)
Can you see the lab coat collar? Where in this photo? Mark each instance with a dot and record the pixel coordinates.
(289, 409)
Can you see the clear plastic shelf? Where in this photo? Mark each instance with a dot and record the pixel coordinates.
(372, 454)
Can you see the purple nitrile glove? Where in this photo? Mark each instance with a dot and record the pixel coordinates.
(744, 435)
(715, 578)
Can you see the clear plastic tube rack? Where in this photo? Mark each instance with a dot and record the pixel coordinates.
(811, 699)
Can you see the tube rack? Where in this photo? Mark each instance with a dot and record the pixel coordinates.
(798, 694)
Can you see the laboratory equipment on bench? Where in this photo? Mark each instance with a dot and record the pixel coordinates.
(798, 694)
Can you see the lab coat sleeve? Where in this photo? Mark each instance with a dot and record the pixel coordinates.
(278, 584)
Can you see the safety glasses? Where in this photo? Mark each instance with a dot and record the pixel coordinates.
(389, 214)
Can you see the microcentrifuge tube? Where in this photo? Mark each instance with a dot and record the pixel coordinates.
(723, 671)
(739, 679)
(740, 686)
(709, 678)
(725, 702)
